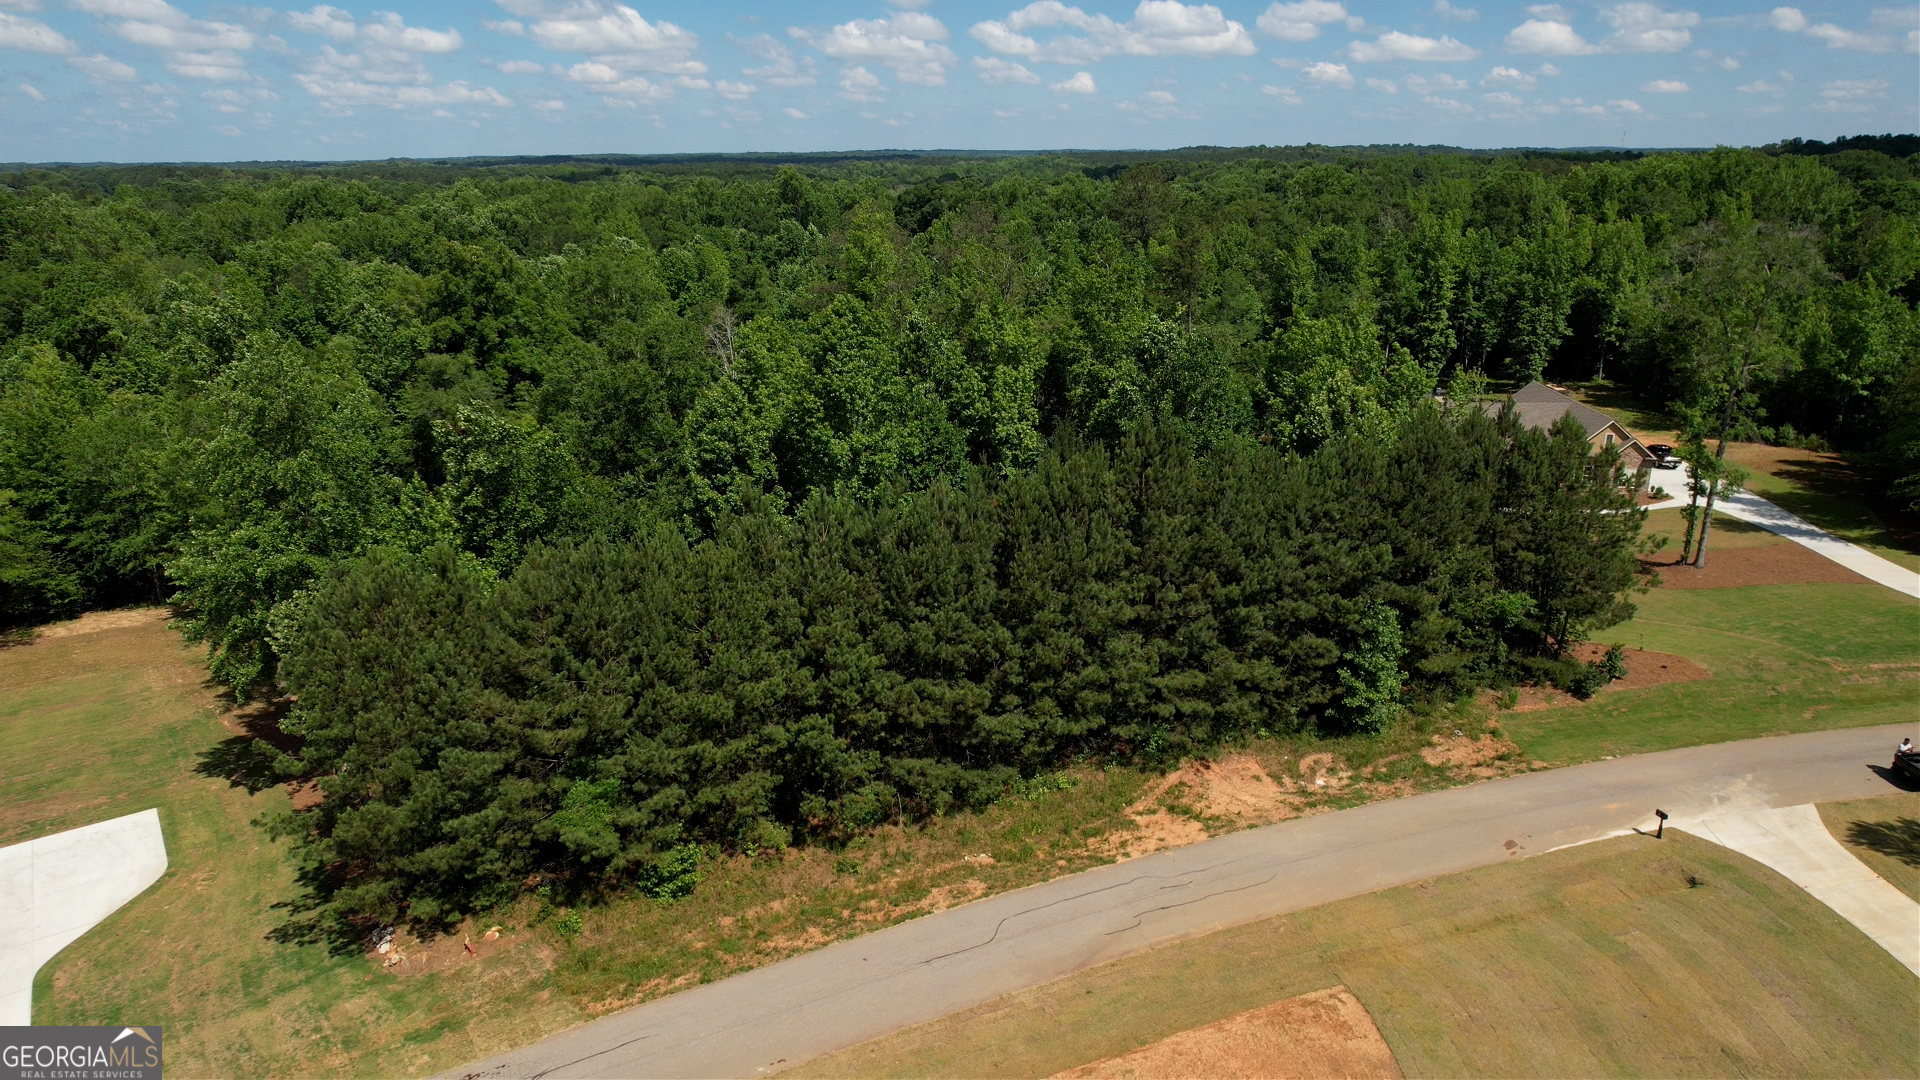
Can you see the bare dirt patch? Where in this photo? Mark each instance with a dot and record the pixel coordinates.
(1327, 1033)
(1465, 757)
(1203, 797)
(1769, 564)
(95, 621)
(938, 899)
(1644, 669)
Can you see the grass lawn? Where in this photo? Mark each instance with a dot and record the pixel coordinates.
(1884, 833)
(1597, 960)
(1784, 658)
(106, 723)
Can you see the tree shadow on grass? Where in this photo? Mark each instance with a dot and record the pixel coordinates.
(1896, 839)
(251, 759)
(310, 922)
(1873, 513)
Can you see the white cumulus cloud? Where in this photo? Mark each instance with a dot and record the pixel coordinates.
(1080, 83)
(1434, 84)
(104, 69)
(345, 91)
(1327, 73)
(1158, 28)
(859, 84)
(325, 19)
(32, 91)
(1301, 21)
(778, 66)
(193, 48)
(1793, 21)
(1395, 45)
(994, 71)
(1664, 86)
(1639, 26)
(1506, 76)
(615, 35)
(1850, 95)
(1547, 37)
(908, 43)
(31, 35)
(1287, 94)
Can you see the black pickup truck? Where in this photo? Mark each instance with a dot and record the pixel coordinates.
(1907, 766)
(1664, 456)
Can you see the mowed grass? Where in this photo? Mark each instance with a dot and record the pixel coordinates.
(1785, 658)
(101, 724)
(1598, 960)
(1884, 833)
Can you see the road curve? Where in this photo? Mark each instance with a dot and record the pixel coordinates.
(777, 1016)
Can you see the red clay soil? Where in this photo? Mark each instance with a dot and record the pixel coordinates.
(1644, 669)
(1769, 564)
(1327, 1033)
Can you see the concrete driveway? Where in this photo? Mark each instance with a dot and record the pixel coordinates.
(777, 1016)
(1748, 507)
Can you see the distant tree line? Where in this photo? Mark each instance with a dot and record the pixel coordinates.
(216, 385)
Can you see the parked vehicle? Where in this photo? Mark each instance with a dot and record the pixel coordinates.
(1663, 456)
(1906, 766)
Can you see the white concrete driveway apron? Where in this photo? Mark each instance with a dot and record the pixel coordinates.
(1794, 841)
(56, 888)
(1751, 508)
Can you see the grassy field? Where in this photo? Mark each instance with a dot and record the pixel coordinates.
(1884, 833)
(1599, 960)
(1784, 658)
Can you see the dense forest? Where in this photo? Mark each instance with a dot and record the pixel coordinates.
(592, 509)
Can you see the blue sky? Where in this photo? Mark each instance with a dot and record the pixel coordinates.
(147, 80)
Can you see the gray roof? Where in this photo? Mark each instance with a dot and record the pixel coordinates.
(1539, 406)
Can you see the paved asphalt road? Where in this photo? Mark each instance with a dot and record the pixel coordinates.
(777, 1016)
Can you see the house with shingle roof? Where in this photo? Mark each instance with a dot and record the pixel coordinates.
(1540, 406)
